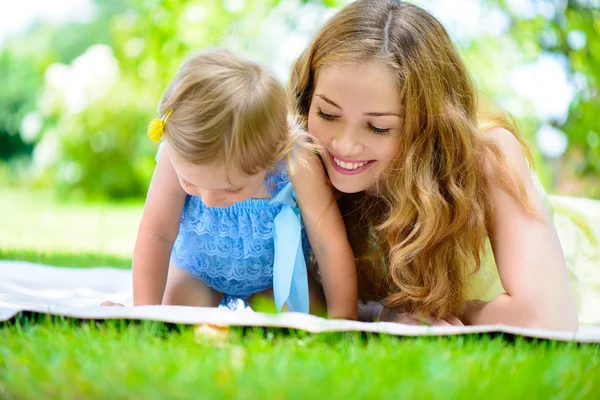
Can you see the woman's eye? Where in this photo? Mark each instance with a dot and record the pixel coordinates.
(186, 183)
(379, 131)
(233, 191)
(325, 116)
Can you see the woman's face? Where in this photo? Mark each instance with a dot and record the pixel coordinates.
(355, 113)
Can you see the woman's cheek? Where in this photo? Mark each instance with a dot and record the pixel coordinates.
(390, 148)
(311, 125)
(315, 128)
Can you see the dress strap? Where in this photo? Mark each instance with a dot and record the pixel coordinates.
(290, 279)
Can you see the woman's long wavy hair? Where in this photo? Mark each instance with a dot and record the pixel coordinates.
(436, 210)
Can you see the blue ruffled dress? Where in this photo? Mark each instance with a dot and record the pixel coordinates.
(248, 247)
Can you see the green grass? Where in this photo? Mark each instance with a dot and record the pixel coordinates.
(66, 259)
(37, 221)
(63, 359)
(42, 357)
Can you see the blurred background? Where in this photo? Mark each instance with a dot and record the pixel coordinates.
(80, 80)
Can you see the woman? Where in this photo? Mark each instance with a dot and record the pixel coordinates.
(432, 189)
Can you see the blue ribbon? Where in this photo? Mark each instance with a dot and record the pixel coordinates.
(290, 280)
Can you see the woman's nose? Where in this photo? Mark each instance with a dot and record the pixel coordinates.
(347, 144)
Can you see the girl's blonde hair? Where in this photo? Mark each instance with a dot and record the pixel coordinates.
(230, 112)
(424, 231)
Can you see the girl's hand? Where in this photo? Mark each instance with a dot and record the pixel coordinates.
(109, 303)
(418, 319)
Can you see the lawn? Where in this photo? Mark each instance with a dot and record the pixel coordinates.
(42, 357)
(37, 221)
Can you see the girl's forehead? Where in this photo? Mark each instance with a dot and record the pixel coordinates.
(212, 177)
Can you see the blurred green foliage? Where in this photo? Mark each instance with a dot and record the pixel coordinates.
(100, 148)
(76, 98)
(571, 29)
(16, 101)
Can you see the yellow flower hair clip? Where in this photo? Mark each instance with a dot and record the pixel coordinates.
(156, 129)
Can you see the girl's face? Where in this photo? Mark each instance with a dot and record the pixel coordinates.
(216, 186)
(355, 113)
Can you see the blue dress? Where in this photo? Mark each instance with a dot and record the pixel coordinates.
(248, 247)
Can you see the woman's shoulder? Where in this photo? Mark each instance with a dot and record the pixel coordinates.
(512, 149)
(516, 156)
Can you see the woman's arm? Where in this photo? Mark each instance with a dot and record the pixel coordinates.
(529, 257)
(157, 233)
(327, 235)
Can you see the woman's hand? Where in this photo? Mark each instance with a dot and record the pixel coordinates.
(327, 235)
(109, 303)
(388, 315)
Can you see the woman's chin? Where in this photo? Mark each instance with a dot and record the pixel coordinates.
(347, 184)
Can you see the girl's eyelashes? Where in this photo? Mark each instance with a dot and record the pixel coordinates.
(379, 131)
(232, 191)
(327, 117)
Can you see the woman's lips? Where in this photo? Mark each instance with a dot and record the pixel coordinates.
(347, 166)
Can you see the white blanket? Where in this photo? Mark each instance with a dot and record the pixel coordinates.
(74, 292)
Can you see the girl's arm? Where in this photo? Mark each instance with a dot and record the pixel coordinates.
(157, 233)
(327, 235)
(529, 257)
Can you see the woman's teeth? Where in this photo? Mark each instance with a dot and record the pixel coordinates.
(349, 165)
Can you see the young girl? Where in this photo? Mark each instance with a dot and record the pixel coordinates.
(441, 208)
(222, 216)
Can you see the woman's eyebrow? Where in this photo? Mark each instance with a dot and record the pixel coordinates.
(328, 101)
(381, 114)
(370, 114)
